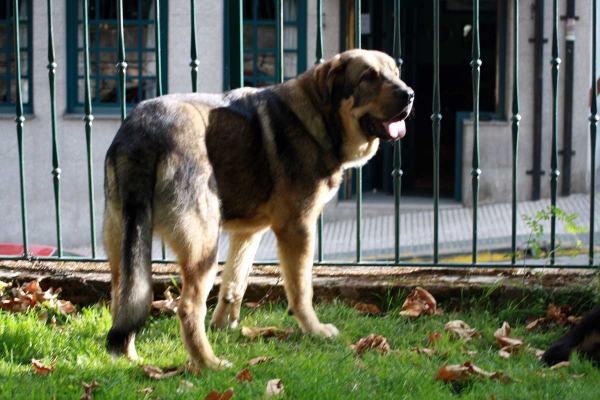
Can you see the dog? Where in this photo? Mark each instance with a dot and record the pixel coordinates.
(584, 338)
(185, 166)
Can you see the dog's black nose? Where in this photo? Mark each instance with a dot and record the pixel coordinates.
(410, 95)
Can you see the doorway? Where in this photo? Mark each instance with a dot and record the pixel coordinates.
(455, 85)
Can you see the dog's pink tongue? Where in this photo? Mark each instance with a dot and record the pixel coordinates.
(396, 130)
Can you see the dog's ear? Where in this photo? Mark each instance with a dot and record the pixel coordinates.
(326, 75)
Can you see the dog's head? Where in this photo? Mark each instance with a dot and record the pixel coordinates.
(365, 87)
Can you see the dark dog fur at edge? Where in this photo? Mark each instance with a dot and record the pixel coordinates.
(186, 166)
(583, 338)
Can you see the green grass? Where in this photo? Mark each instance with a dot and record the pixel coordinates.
(309, 367)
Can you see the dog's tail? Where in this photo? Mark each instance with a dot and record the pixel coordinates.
(135, 180)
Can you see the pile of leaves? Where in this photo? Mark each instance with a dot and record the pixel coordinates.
(22, 298)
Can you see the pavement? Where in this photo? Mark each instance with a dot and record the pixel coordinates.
(417, 227)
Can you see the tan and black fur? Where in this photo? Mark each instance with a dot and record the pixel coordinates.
(186, 166)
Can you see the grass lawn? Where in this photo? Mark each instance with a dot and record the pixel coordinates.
(309, 367)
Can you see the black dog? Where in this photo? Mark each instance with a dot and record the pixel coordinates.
(584, 338)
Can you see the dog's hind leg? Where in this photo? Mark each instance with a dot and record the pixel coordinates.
(194, 238)
(242, 249)
(295, 242)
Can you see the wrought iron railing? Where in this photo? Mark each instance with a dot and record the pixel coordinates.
(236, 42)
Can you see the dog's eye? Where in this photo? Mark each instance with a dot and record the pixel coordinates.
(369, 76)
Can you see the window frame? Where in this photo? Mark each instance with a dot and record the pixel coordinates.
(301, 49)
(73, 49)
(10, 107)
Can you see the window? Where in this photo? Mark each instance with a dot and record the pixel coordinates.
(8, 81)
(260, 41)
(138, 26)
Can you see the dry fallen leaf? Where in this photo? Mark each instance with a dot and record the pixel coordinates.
(427, 352)
(274, 388)
(555, 314)
(158, 373)
(259, 360)
(252, 304)
(433, 338)
(507, 344)
(214, 395)
(270, 331)
(244, 376)
(578, 376)
(147, 390)
(32, 287)
(169, 304)
(42, 369)
(419, 301)
(460, 330)
(371, 342)
(463, 372)
(184, 386)
(366, 308)
(189, 367)
(562, 364)
(87, 390)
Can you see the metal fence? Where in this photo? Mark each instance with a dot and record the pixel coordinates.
(236, 59)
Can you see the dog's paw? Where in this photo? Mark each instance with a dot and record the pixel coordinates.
(326, 330)
(214, 364)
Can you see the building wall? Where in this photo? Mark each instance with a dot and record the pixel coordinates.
(496, 136)
(71, 129)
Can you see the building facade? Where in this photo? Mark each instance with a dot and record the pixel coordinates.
(259, 31)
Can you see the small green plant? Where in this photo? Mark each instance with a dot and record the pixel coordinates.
(535, 242)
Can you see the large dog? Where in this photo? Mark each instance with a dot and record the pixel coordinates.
(186, 165)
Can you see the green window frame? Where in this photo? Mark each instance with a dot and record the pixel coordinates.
(260, 38)
(138, 25)
(7, 57)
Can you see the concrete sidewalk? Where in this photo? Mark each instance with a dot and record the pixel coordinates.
(416, 229)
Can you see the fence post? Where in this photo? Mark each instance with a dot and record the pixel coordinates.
(515, 129)
(358, 45)
(397, 172)
(436, 117)
(319, 60)
(121, 65)
(20, 121)
(475, 172)
(554, 161)
(89, 118)
(593, 128)
(194, 63)
(55, 159)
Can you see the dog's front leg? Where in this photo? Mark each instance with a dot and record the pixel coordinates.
(234, 279)
(295, 242)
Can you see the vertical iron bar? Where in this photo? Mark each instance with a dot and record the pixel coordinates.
(159, 87)
(554, 161)
(436, 117)
(397, 172)
(20, 121)
(475, 172)
(279, 17)
(236, 60)
(593, 128)
(515, 129)
(89, 118)
(121, 65)
(319, 60)
(538, 103)
(55, 159)
(194, 63)
(357, 45)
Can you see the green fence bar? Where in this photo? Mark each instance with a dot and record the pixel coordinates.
(593, 128)
(279, 41)
(121, 65)
(358, 45)
(515, 130)
(475, 172)
(319, 60)
(20, 121)
(436, 117)
(194, 63)
(397, 172)
(159, 87)
(554, 161)
(55, 159)
(236, 44)
(89, 118)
